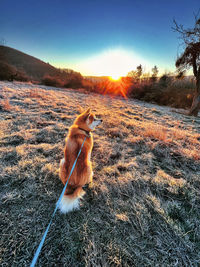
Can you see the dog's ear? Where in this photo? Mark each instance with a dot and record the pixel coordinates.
(88, 111)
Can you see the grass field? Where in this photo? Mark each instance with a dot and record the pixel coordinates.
(144, 209)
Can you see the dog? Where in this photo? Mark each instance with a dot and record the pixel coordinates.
(82, 173)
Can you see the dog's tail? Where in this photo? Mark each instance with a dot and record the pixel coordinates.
(71, 202)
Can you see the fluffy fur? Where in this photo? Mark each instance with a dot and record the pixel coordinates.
(82, 174)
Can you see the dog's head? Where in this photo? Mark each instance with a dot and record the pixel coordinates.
(87, 120)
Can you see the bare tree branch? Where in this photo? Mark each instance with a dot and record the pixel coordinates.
(190, 57)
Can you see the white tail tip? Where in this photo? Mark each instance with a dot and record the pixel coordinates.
(66, 204)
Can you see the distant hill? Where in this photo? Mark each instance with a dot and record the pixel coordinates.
(34, 68)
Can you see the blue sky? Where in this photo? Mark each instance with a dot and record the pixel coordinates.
(76, 34)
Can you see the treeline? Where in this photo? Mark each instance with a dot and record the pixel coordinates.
(165, 90)
(172, 89)
(66, 79)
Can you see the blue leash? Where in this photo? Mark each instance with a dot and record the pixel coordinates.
(59, 200)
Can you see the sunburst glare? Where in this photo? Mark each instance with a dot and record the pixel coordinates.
(113, 62)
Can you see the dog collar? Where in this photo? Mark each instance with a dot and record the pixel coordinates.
(87, 132)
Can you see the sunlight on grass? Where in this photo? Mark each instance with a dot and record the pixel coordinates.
(144, 205)
(122, 217)
(155, 131)
(165, 179)
(5, 105)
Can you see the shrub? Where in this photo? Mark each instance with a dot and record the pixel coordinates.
(21, 76)
(88, 85)
(52, 81)
(139, 90)
(166, 91)
(10, 73)
(7, 72)
(165, 80)
(70, 79)
(73, 80)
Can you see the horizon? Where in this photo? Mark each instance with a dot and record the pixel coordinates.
(112, 77)
(98, 39)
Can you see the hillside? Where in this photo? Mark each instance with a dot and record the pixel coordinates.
(144, 209)
(33, 67)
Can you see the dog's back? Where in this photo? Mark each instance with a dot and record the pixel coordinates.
(72, 147)
(82, 173)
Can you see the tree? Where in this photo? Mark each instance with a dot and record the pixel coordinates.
(190, 58)
(165, 79)
(180, 74)
(139, 71)
(132, 74)
(136, 74)
(154, 73)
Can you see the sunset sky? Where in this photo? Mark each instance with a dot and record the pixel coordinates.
(97, 37)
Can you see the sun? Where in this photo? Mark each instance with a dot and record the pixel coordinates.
(115, 77)
(114, 63)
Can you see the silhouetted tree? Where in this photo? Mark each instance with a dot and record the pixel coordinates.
(165, 79)
(139, 71)
(132, 74)
(180, 75)
(135, 75)
(154, 73)
(190, 58)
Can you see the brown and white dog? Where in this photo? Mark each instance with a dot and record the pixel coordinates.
(82, 174)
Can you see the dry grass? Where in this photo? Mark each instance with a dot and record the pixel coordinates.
(144, 207)
(5, 105)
